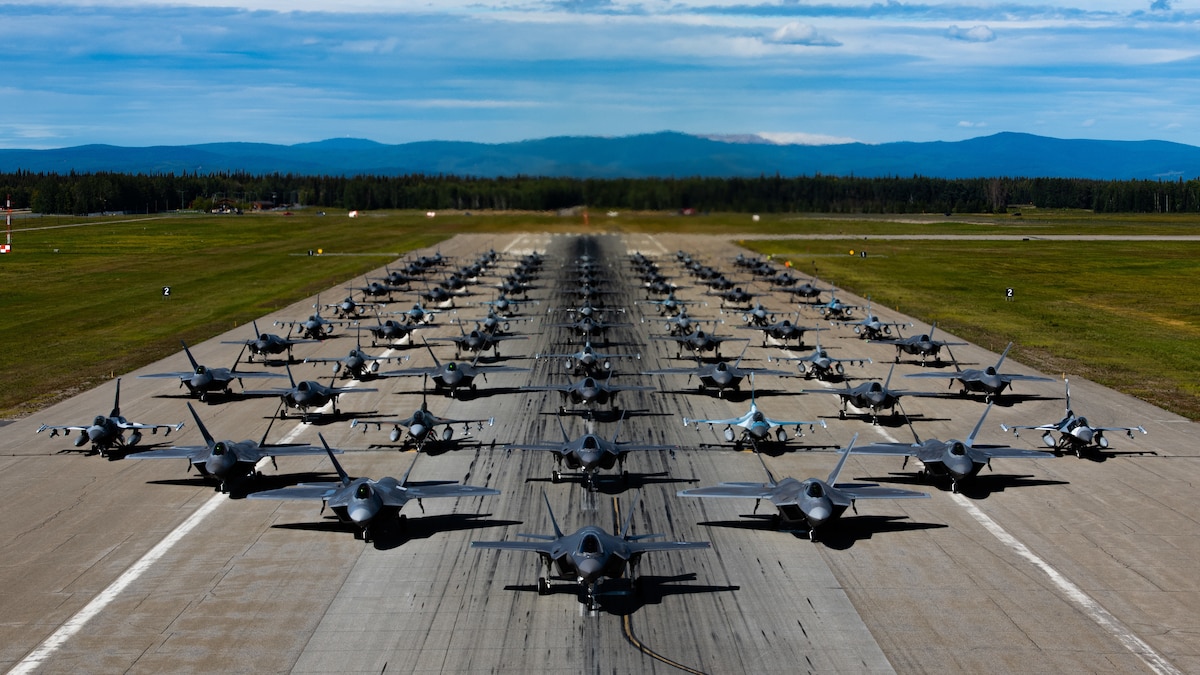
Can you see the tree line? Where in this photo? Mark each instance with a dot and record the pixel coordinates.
(82, 193)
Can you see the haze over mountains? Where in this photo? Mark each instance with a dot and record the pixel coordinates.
(662, 154)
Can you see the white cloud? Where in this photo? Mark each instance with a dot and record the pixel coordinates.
(972, 34)
(965, 124)
(796, 33)
(802, 138)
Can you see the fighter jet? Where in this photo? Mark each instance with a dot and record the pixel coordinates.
(590, 554)
(356, 365)
(919, 345)
(683, 324)
(698, 342)
(106, 433)
(265, 344)
(836, 309)
(588, 361)
(758, 316)
(476, 342)
(588, 327)
(871, 327)
(228, 462)
(668, 306)
(416, 315)
(733, 296)
(1076, 434)
(503, 306)
(308, 394)
(589, 391)
(872, 396)
(810, 503)
(590, 453)
(820, 364)
(953, 459)
(756, 427)
(452, 376)
(315, 327)
(369, 503)
(349, 308)
(784, 330)
(721, 376)
(420, 426)
(375, 289)
(989, 381)
(389, 331)
(202, 381)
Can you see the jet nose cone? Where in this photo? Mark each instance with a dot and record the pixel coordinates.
(361, 513)
(818, 514)
(1084, 434)
(219, 465)
(417, 430)
(589, 568)
(959, 466)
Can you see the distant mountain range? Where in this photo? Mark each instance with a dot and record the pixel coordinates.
(663, 154)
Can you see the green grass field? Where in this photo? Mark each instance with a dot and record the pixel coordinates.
(84, 302)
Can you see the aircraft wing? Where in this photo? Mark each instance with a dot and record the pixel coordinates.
(293, 450)
(546, 387)
(856, 491)
(647, 546)
(410, 372)
(768, 371)
(673, 371)
(138, 425)
(253, 374)
(544, 547)
(309, 491)
(1005, 453)
(891, 449)
(1026, 378)
(177, 452)
(731, 420)
(62, 427)
(186, 374)
(351, 390)
(399, 495)
(731, 491)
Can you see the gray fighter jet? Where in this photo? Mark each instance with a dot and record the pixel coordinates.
(989, 381)
(588, 361)
(268, 344)
(836, 309)
(349, 308)
(228, 462)
(683, 324)
(389, 331)
(590, 554)
(420, 426)
(721, 376)
(810, 503)
(307, 395)
(758, 316)
(784, 330)
(919, 345)
(953, 459)
(1076, 434)
(108, 432)
(450, 377)
(369, 503)
(588, 391)
(699, 342)
(871, 327)
(356, 365)
(590, 453)
(756, 427)
(202, 381)
(476, 342)
(873, 396)
(820, 364)
(315, 327)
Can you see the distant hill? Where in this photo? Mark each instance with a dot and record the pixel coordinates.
(648, 155)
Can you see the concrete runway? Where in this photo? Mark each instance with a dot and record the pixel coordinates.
(1049, 565)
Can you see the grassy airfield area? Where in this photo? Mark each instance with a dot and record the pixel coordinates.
(84, 299)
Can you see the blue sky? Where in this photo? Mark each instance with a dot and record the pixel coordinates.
(134, 73)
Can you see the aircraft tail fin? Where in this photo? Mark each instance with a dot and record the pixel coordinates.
(771, 480)
(1003, 356)
(329, 451)
(208, 438)
(620, 421)
(563, 429)
(557, 531)
(629, 518)
(192, 359)
(833, 475)
(978, 425)
(116, 409)
(889, 377)
(288, 367)
(431, 354)
(404, 479)
(738, 363)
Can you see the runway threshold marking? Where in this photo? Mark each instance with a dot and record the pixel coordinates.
(76, 623)
(1076, 595)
